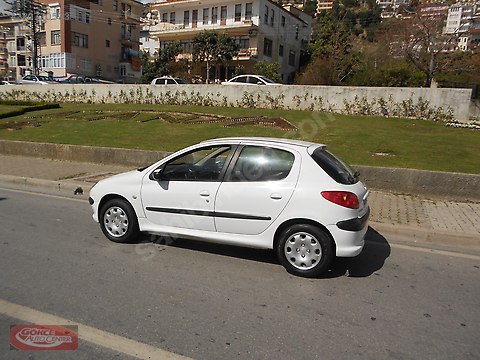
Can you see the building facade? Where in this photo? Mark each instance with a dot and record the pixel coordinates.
(460, 18)
(3, 53)
(263, 29)
(98, 38)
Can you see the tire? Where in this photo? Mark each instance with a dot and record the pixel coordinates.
(305, 250)
(118, 221)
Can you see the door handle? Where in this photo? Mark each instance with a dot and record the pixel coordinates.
(275, 196)
(204, 193)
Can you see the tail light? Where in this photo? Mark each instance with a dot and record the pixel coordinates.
(342, 198)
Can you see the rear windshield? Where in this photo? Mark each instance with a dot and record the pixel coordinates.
(333, 166)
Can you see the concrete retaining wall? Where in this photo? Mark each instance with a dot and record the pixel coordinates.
(421, 103)
(452, 186)
(91, 154)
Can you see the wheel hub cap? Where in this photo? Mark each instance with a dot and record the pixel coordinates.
(115, 221)
(303, 250)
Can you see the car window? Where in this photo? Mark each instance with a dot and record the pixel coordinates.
(241, 79)
(171, 81)
(333, 166)
(254, 80)
(205, 164)
(160, 82)
(180, 81)
(267, 80)
(257, 163)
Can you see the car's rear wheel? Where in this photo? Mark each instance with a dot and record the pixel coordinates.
(118, 221)
(305, 250)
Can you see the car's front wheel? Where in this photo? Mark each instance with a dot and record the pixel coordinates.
(305, 250)
(118, 221)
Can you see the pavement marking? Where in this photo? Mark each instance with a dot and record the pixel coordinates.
(87, 333)
(435, 251)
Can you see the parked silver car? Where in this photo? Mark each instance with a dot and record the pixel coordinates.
(36, 80)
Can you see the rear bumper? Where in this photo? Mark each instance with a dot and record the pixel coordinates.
(355, 224)
(349, 235)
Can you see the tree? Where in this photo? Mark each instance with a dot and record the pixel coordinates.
(332, 53)
(269, 70)
(159, 64)
(214, 49)
(424, 43)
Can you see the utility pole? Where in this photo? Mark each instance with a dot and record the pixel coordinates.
(31, 12)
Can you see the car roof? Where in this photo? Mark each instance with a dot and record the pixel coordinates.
(263, 140)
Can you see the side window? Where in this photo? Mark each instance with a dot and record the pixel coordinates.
(241, 79)
(205, 164)
(159, 82)
(254, 80)
(257, 163)
(171, 81)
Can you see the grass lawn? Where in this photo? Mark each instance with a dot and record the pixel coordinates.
(359, 140)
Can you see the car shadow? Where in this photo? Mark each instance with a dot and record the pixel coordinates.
(266, 256)
(370, 260)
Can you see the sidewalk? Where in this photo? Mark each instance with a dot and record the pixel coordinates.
(427, 221)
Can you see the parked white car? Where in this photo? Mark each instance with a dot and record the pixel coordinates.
(291, 196)
(250, 80)
(168, 80)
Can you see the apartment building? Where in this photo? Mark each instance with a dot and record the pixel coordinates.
(98, 38)
(461, 17)
(3, 53)
(263, 29)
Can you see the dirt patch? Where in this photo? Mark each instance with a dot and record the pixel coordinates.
(19, 125)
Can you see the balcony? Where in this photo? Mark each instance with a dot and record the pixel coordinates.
(246, 54)
(164, 30)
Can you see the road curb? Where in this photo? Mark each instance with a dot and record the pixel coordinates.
(60, 187)
(414, 235)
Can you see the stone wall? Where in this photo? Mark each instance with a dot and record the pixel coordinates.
(420, 103)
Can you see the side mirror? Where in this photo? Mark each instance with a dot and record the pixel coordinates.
(260, 83)
(157, 174)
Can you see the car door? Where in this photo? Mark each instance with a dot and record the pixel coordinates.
(256, 188)
(181, 193)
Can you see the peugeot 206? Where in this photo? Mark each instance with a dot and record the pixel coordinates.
(294, 197)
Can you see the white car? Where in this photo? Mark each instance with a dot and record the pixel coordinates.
(37, 80)
(250, 80)
(168, 80)
(291, 196)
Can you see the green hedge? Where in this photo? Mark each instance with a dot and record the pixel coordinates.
(29, 106)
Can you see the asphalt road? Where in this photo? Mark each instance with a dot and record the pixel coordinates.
(218, 302)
